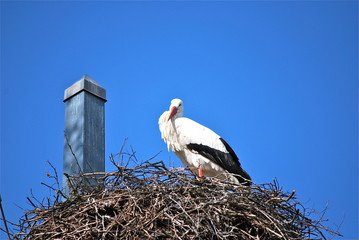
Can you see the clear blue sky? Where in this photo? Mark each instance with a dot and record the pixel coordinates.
(278, 80)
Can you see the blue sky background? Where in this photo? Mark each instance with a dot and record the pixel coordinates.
(278, 80)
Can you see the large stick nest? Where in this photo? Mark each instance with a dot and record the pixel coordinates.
(150, 201)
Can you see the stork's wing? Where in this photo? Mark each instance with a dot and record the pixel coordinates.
(210, 145)
(237, 169)
(228, 161)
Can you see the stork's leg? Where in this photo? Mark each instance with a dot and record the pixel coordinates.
(200, 172)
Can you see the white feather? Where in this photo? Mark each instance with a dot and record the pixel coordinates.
(189, 131)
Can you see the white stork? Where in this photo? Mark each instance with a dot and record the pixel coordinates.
(199, 148)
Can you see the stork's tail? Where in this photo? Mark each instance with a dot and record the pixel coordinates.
(243, 177)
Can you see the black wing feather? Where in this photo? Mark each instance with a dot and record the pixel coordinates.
(228, 161)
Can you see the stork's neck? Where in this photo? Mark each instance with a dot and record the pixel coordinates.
(171, 135)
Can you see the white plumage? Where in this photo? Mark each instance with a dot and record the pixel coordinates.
(198, 147)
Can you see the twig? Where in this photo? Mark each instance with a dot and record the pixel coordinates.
(4, 218)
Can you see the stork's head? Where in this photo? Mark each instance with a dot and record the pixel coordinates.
(176, 109)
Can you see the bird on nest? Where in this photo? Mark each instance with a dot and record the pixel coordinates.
(203, 151)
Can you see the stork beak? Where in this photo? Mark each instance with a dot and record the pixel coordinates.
(172, 113)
